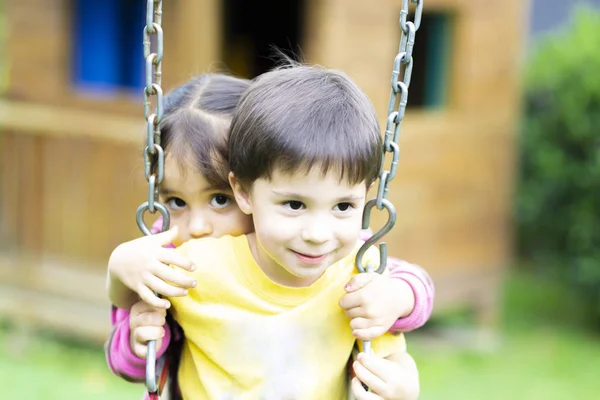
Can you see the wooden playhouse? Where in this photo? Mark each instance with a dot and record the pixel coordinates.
(71, 132)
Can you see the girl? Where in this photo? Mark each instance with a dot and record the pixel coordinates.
(195, 189)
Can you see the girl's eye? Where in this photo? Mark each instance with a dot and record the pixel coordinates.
(175, 203)
(343, 207)
(294, 205)
(220, 200)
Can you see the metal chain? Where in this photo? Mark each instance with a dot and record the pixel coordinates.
(396, 110)
(154, 156)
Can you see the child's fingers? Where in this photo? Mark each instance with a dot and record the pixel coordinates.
(163, 288)
(370, 333)
(360, 393)
(166, 237)
(139, 349)
(362, 323)
(173, 276)
(149, 297)
(143, 335)
(359, 281)
(355, 312)
(351, 300)
(172, 257)
(368, 372)
(141, 307)
(153, 318)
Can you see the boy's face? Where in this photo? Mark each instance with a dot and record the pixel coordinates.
(304, 222)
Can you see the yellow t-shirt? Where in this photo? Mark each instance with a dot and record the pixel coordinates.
(248, 338)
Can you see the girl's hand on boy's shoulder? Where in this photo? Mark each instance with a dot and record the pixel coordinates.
(143, 266)
(145, 323)
(373, 302)
(387, 379)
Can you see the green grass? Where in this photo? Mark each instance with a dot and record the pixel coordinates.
(543, 352)
(540, 354)
(544, 364)
(46, 368)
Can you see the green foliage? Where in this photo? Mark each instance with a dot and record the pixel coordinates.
(558, 197)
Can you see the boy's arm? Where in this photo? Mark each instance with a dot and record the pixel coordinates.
(119, 356)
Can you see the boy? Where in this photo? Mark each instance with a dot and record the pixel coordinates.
(264, 320)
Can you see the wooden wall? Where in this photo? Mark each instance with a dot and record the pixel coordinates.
(71, 170)
(454, 184)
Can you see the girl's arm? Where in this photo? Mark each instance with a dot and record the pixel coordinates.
(421, 285)
(120, 358)
(423, 289)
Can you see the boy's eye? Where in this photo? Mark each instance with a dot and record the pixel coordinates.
(220, 200)
(294, 205)
(175, 203)
(343, 207)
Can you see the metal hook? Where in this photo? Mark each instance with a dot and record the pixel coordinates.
(378, 235)
(151, 383)
(139, 217)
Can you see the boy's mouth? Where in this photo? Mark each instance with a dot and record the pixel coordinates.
(311, 259)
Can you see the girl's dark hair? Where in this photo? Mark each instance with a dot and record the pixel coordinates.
(196, 123)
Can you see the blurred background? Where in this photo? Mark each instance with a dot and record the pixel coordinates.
(497, 190)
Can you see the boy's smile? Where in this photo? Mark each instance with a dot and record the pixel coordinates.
(304, 222)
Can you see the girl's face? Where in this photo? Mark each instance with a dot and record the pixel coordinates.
(197, 208)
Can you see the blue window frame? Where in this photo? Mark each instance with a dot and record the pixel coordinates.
(107, 45)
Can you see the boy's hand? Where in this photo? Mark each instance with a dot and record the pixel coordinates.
(145, 323)
(396, 379)
(374, 302)
(142, 266)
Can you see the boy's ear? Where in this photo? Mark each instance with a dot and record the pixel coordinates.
(241, 196)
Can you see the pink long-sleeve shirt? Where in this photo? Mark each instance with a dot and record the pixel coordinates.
(124, 363)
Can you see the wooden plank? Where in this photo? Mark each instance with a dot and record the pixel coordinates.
(47, 120)
(30, 193)
(59, 276)
(55, 219)
(116, 188)
(73, 318)
(76, 203)
(196, 37)
(9, 198)
(91, 192)
(37, 39)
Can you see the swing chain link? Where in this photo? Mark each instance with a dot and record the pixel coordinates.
(154, 156)
(401, 76)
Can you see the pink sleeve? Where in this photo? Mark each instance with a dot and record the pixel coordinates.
(119, 356)
(422, 286)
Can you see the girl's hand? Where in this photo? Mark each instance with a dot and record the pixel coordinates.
(374, 302)
(146, 323)
(387, 379)
(142, 265)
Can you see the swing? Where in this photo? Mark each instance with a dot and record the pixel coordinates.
(154, 154)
